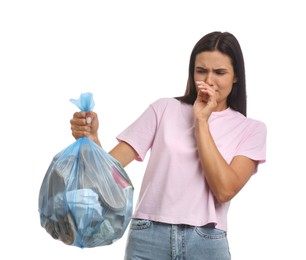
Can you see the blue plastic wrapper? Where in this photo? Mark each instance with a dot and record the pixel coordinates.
(86, 197)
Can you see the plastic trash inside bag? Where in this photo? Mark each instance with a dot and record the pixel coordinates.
(86, 197)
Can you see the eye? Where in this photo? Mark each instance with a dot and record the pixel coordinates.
(220, 72)
(200, 70)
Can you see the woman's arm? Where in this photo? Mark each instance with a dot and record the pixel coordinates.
(225, 180)
(123, 153)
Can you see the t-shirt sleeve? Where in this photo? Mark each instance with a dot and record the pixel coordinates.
(140, 134)
(253, 143)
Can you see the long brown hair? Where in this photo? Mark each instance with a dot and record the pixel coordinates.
(227, 44)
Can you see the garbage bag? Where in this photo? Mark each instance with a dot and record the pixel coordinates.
(86, 197)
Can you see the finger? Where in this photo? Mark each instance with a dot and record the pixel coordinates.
(198, 83)
(90, 116)
(80, 114)
(80, 134)
(80, 128)
(78, 121)
(88, 120)
(207, 94)
(203, 96)
(202, 84)
(210, 90)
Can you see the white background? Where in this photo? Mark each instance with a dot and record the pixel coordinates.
(128, 54)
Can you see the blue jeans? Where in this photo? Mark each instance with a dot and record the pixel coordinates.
(149, 240)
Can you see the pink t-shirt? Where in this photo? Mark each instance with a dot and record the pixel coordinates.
(174, 189)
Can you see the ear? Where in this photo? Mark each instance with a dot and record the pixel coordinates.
(235, 79)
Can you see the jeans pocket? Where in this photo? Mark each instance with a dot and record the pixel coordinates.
(138, 224)
(210, 232)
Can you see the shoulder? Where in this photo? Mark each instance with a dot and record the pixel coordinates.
(166, 101)
(251, 124)
(256, 125)
(163, 103)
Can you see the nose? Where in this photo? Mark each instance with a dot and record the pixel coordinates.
(209, 79)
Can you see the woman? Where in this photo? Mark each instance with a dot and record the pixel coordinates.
(203, 150)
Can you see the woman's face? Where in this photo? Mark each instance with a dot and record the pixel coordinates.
(215, 69)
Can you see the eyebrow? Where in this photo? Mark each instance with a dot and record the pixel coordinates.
(217, 69)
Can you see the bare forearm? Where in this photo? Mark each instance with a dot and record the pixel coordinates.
(123, 153)
(218, 173)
